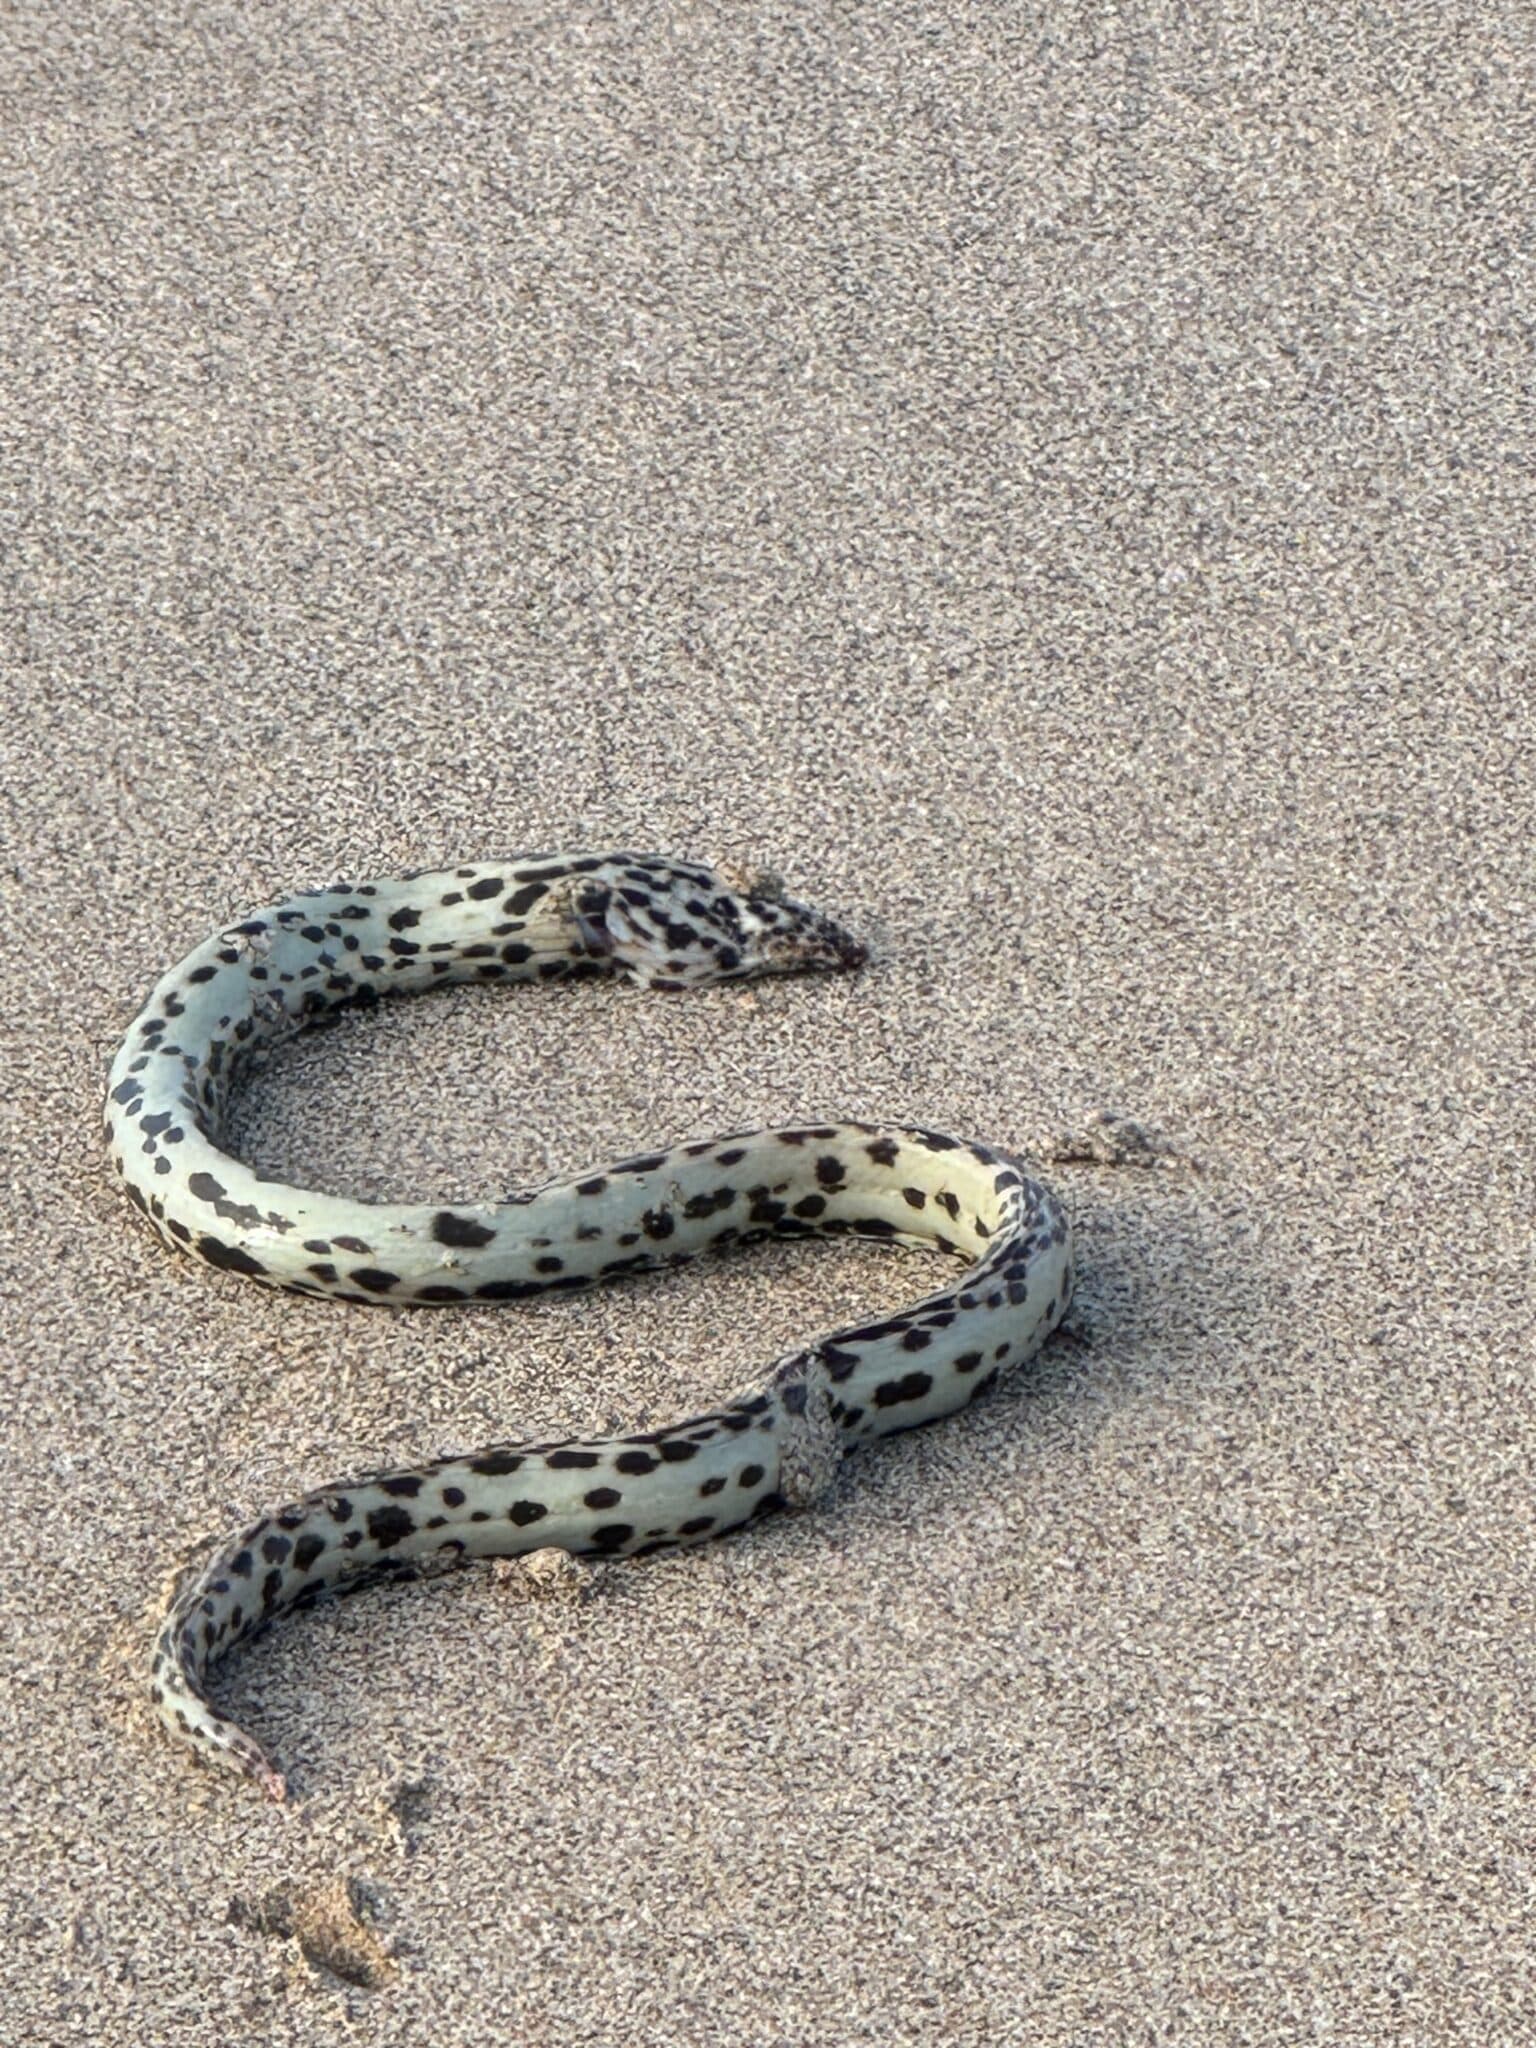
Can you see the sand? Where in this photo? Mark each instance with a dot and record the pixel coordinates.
(1058, 487)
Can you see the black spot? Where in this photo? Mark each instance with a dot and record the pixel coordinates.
(351, 1244)
(969, 1360)
(229, 1257)
(404, 918)
(591, 1187)
(506, 1290)
(810, 1205)
(241, 1564)
(730, 1158)
(634, 1462)
(751, 1475)
(658, 1223)
(829, 1171)
(202, 974)
(521, 901)
(375, 1280)
(453, 1496)
(489, 885)
(870, 1333)
(603, 1497)
(405, 1487)
(340, 1509)
(205, 1187)
(916, 1340)
(914, 1197)
(910, 1387)
(275, 1548)
(677, 1450)
(388, 1526)
(496, 1464)
(525, 1511)
(613, 1535)
(883, 1151)
(697, 1525)
(306, 1550)
(570, 1461)
(549, 1264)
(461, 1231)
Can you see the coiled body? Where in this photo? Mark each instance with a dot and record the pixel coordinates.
(666, 924)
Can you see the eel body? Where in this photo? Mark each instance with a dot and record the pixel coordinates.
(664, 924)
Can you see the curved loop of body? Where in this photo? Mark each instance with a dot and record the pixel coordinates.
(665, 924)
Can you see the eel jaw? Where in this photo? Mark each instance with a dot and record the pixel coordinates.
(791, 938)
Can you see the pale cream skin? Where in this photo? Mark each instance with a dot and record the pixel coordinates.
(665, 924)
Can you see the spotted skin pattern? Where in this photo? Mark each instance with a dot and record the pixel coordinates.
(664, 924)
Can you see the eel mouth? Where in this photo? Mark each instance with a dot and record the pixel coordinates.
(789, 937)
(810, 942)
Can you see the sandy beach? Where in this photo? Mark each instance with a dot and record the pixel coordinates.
(1058, 488)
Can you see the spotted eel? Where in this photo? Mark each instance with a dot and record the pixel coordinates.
(666, 924)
